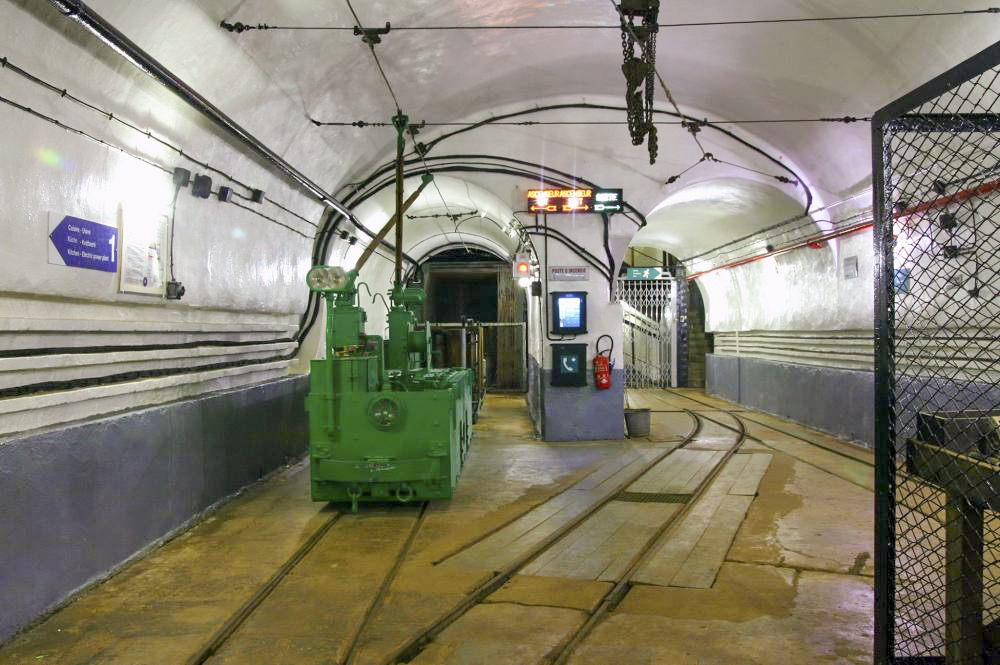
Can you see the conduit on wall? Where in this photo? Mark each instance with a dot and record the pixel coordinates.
(112, 37)
(934, 204)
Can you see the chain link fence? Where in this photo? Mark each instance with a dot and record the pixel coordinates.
(937, 338)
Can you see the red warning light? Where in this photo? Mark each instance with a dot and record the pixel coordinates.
(522, 266)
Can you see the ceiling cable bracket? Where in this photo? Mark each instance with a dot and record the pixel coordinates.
(372, 36)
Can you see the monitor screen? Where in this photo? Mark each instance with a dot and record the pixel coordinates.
(569, 312)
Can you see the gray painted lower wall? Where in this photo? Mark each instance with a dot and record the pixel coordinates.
(78, 501)
(583, 413)
(838, 401)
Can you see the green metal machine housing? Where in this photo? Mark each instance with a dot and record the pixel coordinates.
(383, 426)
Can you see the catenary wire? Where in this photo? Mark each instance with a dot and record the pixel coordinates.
(395, 99)
(363, 124)
(242, 27)
(5, 63)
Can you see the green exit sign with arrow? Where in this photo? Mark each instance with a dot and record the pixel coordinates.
(645, 273)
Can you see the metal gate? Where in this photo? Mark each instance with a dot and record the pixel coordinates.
(937, 369)
(648, 331)
(503, 352)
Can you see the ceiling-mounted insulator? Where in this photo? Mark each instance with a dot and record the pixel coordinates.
(372, 36)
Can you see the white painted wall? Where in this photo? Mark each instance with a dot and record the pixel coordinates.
(804, 289)
(227, 257)
(244, 275)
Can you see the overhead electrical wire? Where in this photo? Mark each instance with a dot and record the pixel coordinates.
(65, 94)
(142, 159)
(80, 132)
(364, 124)
(463, 159)
(240, 27)
(395, 99)
(694, 125)
(529, 175)
(378, 63)
(845, 228)
(371, 188)
(754, 241)
(753, 237)
(427, 147)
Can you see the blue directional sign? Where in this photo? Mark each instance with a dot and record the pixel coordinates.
(85, 244)
(643, 273)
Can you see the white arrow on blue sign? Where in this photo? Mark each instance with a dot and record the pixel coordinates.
(85, 244)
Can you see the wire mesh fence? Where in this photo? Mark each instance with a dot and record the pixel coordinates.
(937, 331)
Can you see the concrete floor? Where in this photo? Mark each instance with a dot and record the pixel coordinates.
(795, 585)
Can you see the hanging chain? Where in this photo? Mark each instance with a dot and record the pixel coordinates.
(639, 71)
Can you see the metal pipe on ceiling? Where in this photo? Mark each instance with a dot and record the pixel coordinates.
(112, 37)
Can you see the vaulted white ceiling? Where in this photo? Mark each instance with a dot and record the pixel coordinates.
(275, 81)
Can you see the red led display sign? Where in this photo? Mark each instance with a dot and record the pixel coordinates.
(575, 200)
(560, 200)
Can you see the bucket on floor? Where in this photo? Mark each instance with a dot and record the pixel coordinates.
(637, 422)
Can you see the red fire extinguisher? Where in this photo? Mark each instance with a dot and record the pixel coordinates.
(602, 364)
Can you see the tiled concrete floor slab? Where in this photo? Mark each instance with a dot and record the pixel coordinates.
(503, 633)
(603, 547)
(755, 615)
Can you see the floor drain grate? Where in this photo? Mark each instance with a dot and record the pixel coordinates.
(652, 497)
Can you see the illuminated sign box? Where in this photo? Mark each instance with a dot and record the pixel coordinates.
(608, 200)
(574, 200)
(560, 200)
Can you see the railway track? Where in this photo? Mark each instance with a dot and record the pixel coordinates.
(218, 640)
(413, 647)
(418, 643)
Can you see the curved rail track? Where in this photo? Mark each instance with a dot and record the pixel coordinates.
(412, 648)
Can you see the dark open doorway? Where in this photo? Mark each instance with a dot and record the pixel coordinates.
(699, 342)
(477, 289)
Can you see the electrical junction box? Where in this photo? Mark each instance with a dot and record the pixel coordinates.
(202, 186)
(569, 365)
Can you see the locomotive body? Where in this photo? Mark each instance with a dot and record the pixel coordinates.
(383, 425)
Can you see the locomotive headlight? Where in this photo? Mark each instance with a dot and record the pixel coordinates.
(385, 412)
(327, 278)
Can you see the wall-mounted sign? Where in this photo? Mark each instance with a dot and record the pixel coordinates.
(80, 243)
(851, 267)
(568, 274)
(645, 273)
(575, 200)
(143, 242)
(560, 200)
(608, 200)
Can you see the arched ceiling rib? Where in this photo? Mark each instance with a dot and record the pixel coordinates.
(710, 213)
